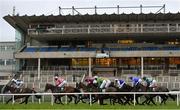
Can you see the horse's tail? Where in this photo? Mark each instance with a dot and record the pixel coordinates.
(172, 97)
(37, 96)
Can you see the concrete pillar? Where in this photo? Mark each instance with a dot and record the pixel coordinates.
(142, 66)
(90, 73)
(39, 68)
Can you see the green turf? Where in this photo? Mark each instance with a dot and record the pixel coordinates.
(169, 105)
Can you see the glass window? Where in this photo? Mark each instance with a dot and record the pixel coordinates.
(2, 62)
(9, 61)
(4, 77)
(80, 62)
(105, 62)
(2, 48)
(10, 47)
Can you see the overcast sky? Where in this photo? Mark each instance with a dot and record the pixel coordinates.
(47, 7)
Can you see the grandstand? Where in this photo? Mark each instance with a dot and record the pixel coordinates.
(114, 45)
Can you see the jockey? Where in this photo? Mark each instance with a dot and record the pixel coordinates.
(119, 83)
(89, 80)
(103, 83)
(17, 83)
(60, 82)
(150, 82)
(135, 80)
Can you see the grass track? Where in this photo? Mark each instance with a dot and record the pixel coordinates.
(169, 106)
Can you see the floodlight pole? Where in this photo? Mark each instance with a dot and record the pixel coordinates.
(95, 10)
(142, 66)
(164, 8)
(39, 68)
(59, 10)
(118, 9)
(141, 8)
(90, 72)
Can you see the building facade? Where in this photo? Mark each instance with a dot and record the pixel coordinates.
(7, 61)
(105, 45)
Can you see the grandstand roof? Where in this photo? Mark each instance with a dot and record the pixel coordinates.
(23, 21)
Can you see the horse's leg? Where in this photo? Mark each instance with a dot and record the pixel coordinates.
(70, 98)
(163, 98)
(95, 99)
(75, 99)
(55, 99)
(120, 100)
(8, 100)
(128, 99)
(137, 102)
(22, 101)
(26, 99)
(82, 98)
(151, 99)
(60, 101)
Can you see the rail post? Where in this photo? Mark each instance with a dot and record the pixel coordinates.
(177, 99)
(134, 99)
(39, 101)
(52, 99)
(32, 98)
(13, 99)
(90, 99)
(3, 99)
(66, 99)
(43, 98)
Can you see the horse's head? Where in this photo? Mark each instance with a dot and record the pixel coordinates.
(80, 85)
(49, 86)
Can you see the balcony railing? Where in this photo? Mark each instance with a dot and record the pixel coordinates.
(101, 30)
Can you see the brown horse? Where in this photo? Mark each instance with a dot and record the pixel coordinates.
(67, 89)
(96, 97)
(20, 91)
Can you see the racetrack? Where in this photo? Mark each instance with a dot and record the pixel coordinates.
(47, 105)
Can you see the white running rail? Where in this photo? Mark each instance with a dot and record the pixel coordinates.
(177, 93)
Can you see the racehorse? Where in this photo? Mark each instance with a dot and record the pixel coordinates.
(141, 88)
(149, 98)
(101, 97)
(83, 88)
(164, 97)
(67, 89)
(125, 97)
(20, 91)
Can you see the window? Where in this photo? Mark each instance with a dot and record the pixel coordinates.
(4, 77)
(2, 62)
(9, 61)
(80, 62)
(2, 48)
(10, 48)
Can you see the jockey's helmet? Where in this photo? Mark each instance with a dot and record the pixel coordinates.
(116, 79)
(131, 77)
(121, 81)
(95, 77)
(13, 80)
(144, 78)
(56, 77)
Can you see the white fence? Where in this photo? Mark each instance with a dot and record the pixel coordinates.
(177, 93)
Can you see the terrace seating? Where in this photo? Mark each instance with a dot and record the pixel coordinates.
(123, 48)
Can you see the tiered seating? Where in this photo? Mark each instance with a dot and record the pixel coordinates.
(123, 48)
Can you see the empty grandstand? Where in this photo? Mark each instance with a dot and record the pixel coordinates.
(115, 45)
